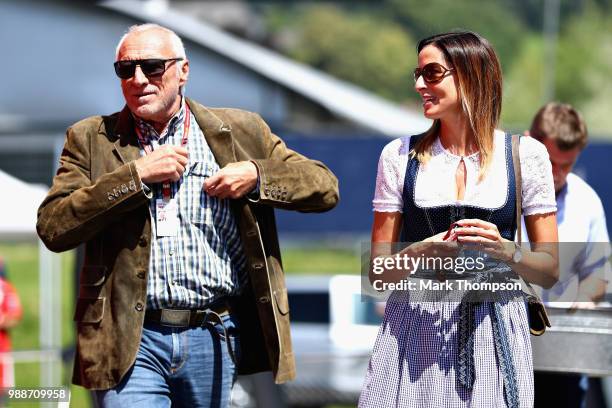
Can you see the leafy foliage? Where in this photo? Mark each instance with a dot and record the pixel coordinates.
(356, 48)
(491, 19)
(372, 44)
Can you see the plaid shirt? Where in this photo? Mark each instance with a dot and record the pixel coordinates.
(205, 260)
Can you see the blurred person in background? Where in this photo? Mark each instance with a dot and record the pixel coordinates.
(584, 269)
(182, 285)
(10, 314)
(454, 352)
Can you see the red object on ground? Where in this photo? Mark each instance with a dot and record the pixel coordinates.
(10, 309)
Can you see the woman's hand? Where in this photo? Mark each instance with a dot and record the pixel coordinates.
(435, 246)
(437, 238)
(385, 233)
(538, 265)
(483, 235)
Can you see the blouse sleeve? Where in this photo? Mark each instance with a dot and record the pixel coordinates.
(390, 178)
(537, 181)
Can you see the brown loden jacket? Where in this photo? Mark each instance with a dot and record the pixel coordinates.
(97, 199)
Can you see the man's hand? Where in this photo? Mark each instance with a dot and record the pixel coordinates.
(591, 290)
(233, 181)
(165, 163)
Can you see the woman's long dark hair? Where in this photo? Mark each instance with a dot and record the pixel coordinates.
(479, 83)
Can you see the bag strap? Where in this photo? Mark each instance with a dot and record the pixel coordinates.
(516, 162)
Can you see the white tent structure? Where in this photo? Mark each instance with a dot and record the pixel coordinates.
(18, 207)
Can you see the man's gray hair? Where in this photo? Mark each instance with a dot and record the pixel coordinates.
(177, 43)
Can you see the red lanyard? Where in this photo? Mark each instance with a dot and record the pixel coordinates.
(148, 147)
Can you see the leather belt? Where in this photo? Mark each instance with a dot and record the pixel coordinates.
(195, 318)
(186, 317)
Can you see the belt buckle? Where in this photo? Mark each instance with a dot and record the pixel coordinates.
(175, 318)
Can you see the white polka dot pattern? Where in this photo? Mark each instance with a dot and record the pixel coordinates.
(414, 358)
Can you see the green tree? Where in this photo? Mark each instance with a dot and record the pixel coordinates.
(523, 85)
(578, 58)
(371, 43)
(584, 64)
(492, 19)
(364, 49)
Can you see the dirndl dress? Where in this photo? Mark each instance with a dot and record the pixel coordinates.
(424, 356)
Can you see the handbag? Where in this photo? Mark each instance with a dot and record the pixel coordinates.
(538, 318)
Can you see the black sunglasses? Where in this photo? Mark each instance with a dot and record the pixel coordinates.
(150, 67)
(432, 72)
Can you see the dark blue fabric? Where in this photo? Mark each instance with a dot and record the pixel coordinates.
(419, 223)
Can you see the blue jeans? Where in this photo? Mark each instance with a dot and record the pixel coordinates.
(178, 367)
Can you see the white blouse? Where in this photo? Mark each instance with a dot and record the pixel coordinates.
(435, 183)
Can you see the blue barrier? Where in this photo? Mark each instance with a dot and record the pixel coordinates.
(355, 160)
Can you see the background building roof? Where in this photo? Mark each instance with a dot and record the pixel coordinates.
(344, 99)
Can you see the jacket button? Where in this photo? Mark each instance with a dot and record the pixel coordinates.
(257, 265)
(139, 307)
(140, 274)
(264, 299)
(142, 241)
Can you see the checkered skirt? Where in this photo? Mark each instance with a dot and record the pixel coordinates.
(413, 363)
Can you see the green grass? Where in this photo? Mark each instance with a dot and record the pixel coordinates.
(22, 267)
(318, 260)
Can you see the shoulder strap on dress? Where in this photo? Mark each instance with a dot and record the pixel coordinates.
(414, 139)
(516, 161)
(519, 210)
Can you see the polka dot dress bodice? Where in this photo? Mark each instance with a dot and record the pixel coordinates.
(422, 222)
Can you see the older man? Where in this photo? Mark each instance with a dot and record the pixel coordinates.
(182, 285)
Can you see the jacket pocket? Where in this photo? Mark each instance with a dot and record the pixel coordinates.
(89, 310)
(279, 290)
(91, 281)
(201, 169)
(282, 302)
(92, 275)
(199, 209)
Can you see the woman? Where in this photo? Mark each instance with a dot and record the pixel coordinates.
(459, 171)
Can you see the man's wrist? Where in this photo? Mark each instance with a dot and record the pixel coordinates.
(144, 187)
(253, 195)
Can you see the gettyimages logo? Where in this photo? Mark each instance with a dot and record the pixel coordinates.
(442, 271)
(448, 271)
(412, 264)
